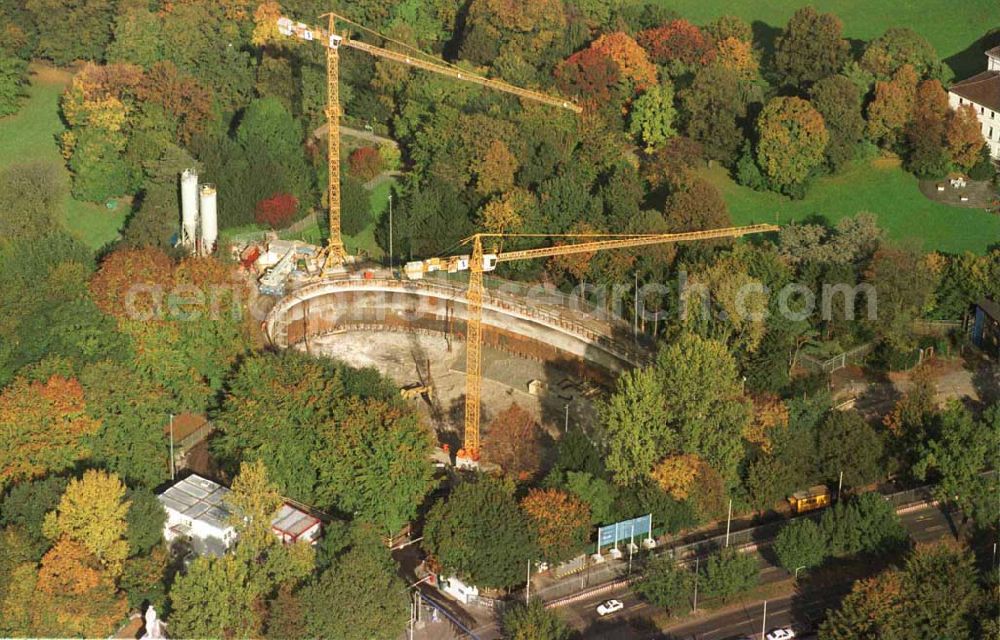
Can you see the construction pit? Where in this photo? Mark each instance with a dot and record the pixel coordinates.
(549, 356)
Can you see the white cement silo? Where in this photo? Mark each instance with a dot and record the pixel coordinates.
(209, 219)
(189, 208)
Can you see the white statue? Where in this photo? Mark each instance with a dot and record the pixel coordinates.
(154, 628)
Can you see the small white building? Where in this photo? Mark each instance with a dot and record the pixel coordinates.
(293, 525)
(197, 510)
(982, 91)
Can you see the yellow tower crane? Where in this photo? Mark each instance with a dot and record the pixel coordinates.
(480, 262)
(332, 41)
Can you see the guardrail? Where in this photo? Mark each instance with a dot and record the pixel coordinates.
(277, 326)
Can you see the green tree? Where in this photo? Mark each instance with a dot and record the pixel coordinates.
(355, 205)
(715, 106)
(132, 410)
(958, 456)
(99, 170)
(596, 492)
(839, 102)
(31, 194)
(810, 48)
(800, 543)
(358, 598)
(215, 597)
(634, 419)
(25, 506)
(847, 443)
(465, 531)
(729, 573)
(702, 401)
(533, 621)
(652, 117)
(793, 138)
(900, 46)
(865, 524)
(271, 412)
(374, 463)
(904, 284)
(138, 35)
(13, 78)
(666, 584)
(144, 520)
(76, 30)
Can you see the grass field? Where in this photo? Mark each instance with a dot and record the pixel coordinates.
(881, 188)
(30, 136)
(952, 27)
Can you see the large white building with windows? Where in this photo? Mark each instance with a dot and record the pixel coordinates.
(982, 91)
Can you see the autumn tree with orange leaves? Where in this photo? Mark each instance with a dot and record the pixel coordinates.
(632, 61)
(964, 136)
(560, 521)
(43, 427)
(890, 109)
(75, 595)
(514, 441)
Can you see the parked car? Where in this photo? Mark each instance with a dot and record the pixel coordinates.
(609, 606)
(785, 633)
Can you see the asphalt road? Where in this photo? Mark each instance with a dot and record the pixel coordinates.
(924, 524)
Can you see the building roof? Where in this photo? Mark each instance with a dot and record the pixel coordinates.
(994, 52)
(293, 522)
(199, 499)
(982, 88)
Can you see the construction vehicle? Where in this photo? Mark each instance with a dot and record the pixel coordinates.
(334, 253)
(479, 262)
(810, 499)
(417, 390)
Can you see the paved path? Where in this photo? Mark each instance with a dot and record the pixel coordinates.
(370, 136)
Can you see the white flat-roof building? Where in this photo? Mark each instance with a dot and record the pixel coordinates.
(197, 510)
(982, 91)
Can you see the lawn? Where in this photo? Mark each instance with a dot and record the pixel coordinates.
(31, 136)
(881, 188)
(953, 28)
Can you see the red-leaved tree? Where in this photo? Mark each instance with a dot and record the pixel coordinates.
(365, 162)
(277, 211)
(677, 41)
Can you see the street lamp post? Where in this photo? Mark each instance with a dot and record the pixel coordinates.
(390, 234)
(729, 521)
(173, 470)
(696, 560)
(763, 621)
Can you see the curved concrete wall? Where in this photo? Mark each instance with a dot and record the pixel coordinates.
(508, 323)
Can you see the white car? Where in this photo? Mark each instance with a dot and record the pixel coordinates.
(781, 634)
(609, 606)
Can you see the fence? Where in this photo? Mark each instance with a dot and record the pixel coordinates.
(838, 361)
